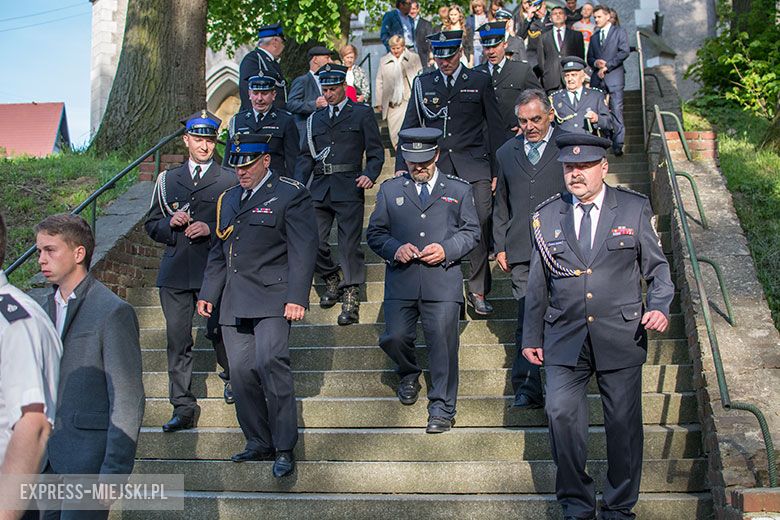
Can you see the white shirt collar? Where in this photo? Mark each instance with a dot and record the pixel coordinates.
(259, 115)
(454, 74)
(259, 184)
(63, 301)
(545, 140)
(577, 91)
(431, 182)
(203, 167)
(340, 105)
(598, 201)
(606, 28)
(500, 65)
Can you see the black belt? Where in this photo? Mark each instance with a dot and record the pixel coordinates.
(328, 169)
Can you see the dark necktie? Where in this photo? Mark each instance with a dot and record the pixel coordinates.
(424, 193)
(602, 36)
(584, 238)
(335, 113)
(196, 175)
(496, 72)
(576, 98)
(450, 82)
(560, 40)
(533, 153)
(244, 198)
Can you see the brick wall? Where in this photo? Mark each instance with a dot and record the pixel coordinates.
(703, 145)
(147, 171)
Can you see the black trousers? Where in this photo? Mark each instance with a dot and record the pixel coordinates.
(179, 306)
(67, 514)
(349, 218)
(440, 327)
(567, 413)
(263, 383)
(526, 377)
(616, 110)
(480, 279)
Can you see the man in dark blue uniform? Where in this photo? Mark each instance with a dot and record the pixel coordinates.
(461, 103)
(183, 218)
(424, 224)
(262, 265)
(331, 159)
(584, 314)
(264, 61)
(579, 108)
(264, 118)
(510, 78)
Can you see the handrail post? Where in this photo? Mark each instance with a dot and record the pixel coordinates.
(640, 52)
(695, 189)
(156, 164)
(680, 132)
(723, 290)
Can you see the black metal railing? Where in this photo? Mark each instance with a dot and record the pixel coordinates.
(91, 201)
(370, 75)
(725, 398)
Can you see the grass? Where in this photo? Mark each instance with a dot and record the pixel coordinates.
(753, 177)
(35, 188)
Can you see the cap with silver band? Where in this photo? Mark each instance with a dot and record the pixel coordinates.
(419, 145)
(446, 43)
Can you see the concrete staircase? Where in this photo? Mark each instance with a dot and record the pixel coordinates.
(363, 455)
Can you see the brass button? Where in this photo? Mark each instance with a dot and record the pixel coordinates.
(235, 270)
(590, 319)
(589, 296)
(622, 243)
(238, 222)
(589, 271)
(423, 215)
(422, 233)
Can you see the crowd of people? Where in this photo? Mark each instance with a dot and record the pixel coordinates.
(500, 154)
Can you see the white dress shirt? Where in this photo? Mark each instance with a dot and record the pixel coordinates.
(562, 30)
(431, 183)
(203, 167)
(454, 75)
(572, 93)
(546, 139)
(259, 185)
(62, 309)
(595, 213)
(605, 32)
(500, 66)
(340, 105)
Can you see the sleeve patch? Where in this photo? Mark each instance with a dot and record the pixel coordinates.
(11, 309)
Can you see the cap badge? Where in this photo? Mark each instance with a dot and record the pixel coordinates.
(327, 67)
(576, 150)
(203, 114)
(435, 101)
(442, 38)
(416, 146)
(570, 64)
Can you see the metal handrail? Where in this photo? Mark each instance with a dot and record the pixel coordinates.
(680, 132)
(695, 189)
(641, 53)
(110, 184)
(725, 398)
(370, 74)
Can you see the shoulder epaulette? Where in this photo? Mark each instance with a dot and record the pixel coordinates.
(557, 92)
(596, 89)
(399, 178)
(291, 182)
(629, 190)
(456, 178)
(543, 204)
(284, 111)
(11, 309)
(232, 187)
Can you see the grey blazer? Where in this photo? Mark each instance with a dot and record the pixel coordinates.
(301, 101)
(100, 395)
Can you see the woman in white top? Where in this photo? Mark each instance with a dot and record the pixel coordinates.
(394, 78)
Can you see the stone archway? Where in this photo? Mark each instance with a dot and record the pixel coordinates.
(222, 90)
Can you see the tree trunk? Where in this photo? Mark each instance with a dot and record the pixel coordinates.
(161, 73)
(741, 12)
(772, 137)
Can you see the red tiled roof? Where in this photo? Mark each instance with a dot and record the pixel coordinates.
(31, 128)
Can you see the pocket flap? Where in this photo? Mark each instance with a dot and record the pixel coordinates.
(552, 314)
(558, 247)
(273, 275)
(262, 219)
(90, 420)
(621, 242)
(632, 311)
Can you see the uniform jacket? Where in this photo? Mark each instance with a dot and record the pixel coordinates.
(572, 118)
(258, 63)
(285, 140)
(515, 76)
(184, 259)
(520, 187)
(605, 301)
(466, 148)
(386, 77)
(302, 99)
(100, 395)
(449, 218)
(573, 45)
(531, 31)
(421, 45)
(353, 133)
(267, 259)
(614, 51)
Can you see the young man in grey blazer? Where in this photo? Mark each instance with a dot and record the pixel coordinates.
(100, 395)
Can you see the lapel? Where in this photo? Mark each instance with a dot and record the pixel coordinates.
(606, 218)
(184, 178)
(259, 196)
(410, 192)
(439, 190)
(438, 85)
(74, 305)
(522, 160)
(250, 119)
(567, 100)
(463, 76)
(208, 177)
(550, 153)
(567, 225)
(233, 199)
(314, 86)
(346, 110)
(504, 73)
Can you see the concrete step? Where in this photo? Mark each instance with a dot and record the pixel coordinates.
(383, 383)
(674, 475)
(477, 331)
(405, 444)
(387, 412)
(200, 505)
(471, 357)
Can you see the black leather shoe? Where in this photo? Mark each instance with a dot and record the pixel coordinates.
(350, 306)
(332, 294)
(284, 464)
(228, 393)
(439, 425)
(618, 151)
(247, 455)
(524, 402)
(179, 422)
(480, 305)
(408, 391)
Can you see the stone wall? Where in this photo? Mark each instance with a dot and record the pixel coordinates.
(749, 350)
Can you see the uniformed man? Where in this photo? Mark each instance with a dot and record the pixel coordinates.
(262, 265)
(510, 78)
(579, 108)
(424, 224)
(461, 102)
(264, 61)
(30, 352)
(183, 217)
(584, 314)
(331, 159)
(265, 118)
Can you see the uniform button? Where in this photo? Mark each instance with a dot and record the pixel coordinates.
(532, 196)
(190, 242)
(591, 319)
(449, 134)
(235, 270)
(423, 215)
(237, 238)
(621, 243)
(533, 181)
(450, 150)
(193, 198)
(238, 222)
(589, 296)
(575, 125)
(422, 233)
(589, 271)
(235, 254)
(636, 314)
